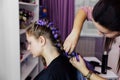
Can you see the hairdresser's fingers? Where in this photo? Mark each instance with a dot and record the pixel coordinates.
(80, 65)
(67, 45)
(82, 61)
(67, 49)
(81, 58)
(72, 60)
(71, 48)
(71, 42)
(75, 63)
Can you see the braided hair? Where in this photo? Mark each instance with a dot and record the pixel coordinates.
(47, 29)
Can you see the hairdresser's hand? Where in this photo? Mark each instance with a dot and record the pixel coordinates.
(71, 42)
(80, 65)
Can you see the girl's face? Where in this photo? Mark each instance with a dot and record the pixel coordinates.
(105, 32)
(34, 45)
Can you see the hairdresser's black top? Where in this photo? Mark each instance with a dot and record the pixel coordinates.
(59, 69)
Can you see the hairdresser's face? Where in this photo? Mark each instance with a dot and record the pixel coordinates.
(105, 32)
(34, 45)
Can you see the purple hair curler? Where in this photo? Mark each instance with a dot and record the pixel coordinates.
(41, 22)
(50, 24)
(76, 55)
(55, 36)
(73, 54)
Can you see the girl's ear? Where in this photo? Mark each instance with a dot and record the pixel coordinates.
(42, 40)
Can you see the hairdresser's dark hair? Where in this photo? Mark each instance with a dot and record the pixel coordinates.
(107, 47)
(47, 29)
(107, 14)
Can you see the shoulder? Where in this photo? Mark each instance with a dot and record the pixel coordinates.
(61, 64)
(58, 66)
(88, 10)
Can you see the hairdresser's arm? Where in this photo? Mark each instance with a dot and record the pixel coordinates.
(72, 39)
(83, 69)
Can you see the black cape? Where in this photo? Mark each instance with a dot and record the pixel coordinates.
(59, 69)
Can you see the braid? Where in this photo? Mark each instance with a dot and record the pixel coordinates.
(54, 33)
(56, 36)
(47, 29)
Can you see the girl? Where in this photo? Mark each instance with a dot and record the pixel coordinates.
(44, 40)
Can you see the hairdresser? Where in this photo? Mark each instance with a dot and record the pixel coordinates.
(106, 17)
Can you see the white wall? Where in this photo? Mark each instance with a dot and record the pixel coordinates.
(80, 3)
(9, 40)
(88, 27)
